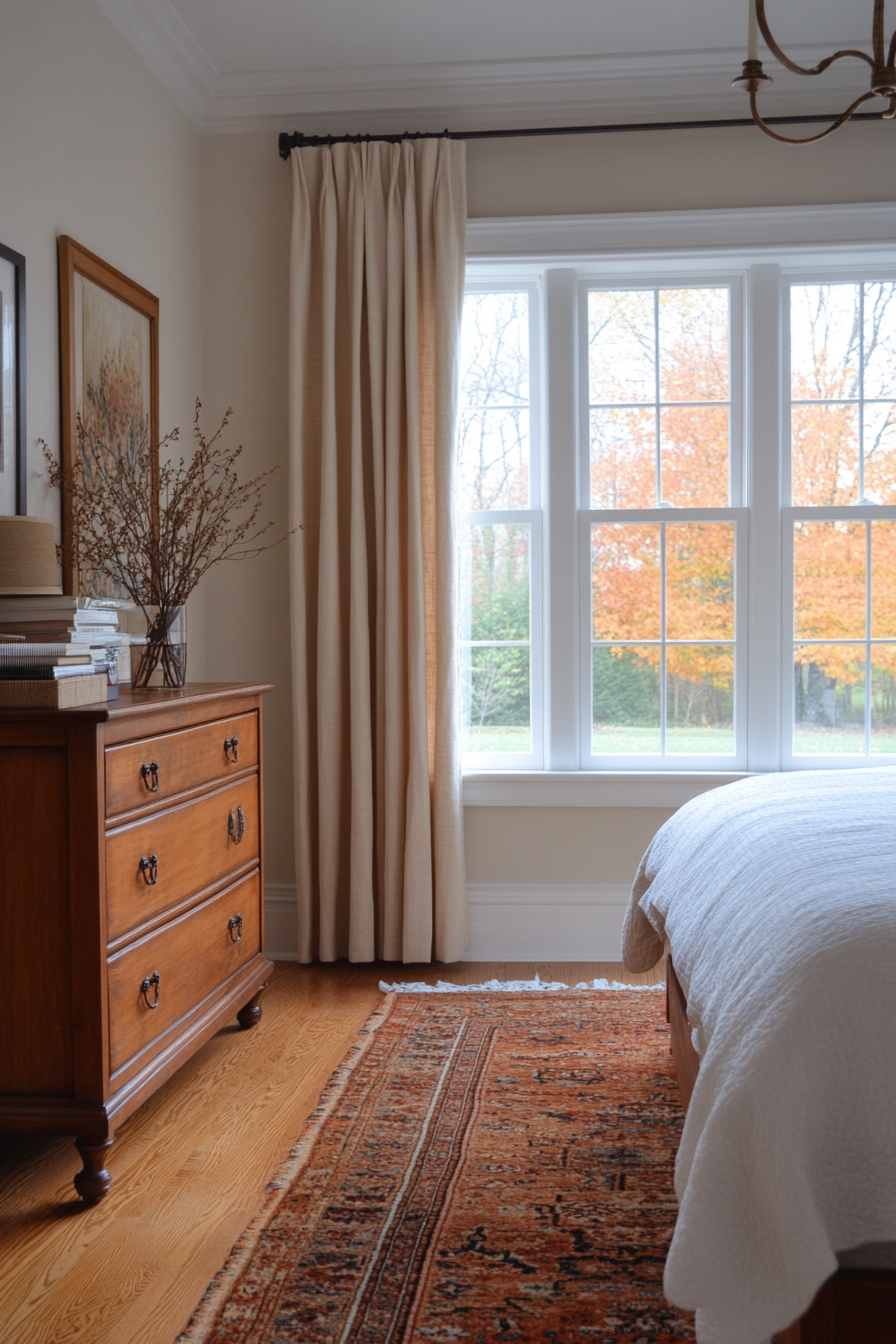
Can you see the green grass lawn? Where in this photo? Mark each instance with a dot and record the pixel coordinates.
(623, 741)
(497, 739)
(837, 741)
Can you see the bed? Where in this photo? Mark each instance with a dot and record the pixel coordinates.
(777, 896)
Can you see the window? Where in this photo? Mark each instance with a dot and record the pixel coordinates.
(667, 562)
(843, 464)
(500, 522)
(661, 673)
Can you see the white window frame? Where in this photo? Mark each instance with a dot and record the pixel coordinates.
(734, 513)
(768, 249)
(791, 513)
(533, 519)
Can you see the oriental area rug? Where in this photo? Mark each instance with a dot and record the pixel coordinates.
(482, 1167)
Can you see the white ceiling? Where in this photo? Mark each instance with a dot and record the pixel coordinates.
(387, 65)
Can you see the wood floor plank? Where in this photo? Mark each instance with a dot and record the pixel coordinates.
(191, 1166)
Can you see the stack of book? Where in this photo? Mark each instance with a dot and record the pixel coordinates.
(41, 675)
(59, 620)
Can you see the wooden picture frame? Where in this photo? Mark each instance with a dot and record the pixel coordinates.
(13, 450)
(109, 356)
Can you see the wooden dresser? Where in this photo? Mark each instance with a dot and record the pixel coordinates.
(131, 902)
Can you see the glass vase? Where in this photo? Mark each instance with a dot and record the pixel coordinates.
(163, 659)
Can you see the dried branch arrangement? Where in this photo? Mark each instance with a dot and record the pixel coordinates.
(157, 555)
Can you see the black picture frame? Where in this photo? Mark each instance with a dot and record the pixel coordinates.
(12, 378)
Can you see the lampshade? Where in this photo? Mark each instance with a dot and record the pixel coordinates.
(27, 557)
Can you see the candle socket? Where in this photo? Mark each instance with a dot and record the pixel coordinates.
(883, 81)
(752, 79)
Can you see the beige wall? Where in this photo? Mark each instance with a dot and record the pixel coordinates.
(246, 214)
(544, 845)
(677, 170)
(91, 146)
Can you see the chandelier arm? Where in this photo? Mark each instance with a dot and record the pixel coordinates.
(811, 139)
(891, 55)
(891, 110)
(801, 69)
(877, 33)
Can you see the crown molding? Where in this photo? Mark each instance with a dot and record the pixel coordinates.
(577, 89)
(165, 45)
(802, 227)
(468, 95)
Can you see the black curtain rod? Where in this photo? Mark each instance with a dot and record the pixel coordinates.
(299, 141)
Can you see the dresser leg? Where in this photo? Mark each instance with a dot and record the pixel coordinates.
(250, 1015)
(94, 1181)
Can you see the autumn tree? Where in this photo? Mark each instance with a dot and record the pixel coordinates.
(494, 475)
(844, 453)
(673, 448)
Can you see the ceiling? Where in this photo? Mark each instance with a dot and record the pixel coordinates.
(390, 65)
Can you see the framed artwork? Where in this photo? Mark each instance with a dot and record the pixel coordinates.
(12, 382)
(109, 347)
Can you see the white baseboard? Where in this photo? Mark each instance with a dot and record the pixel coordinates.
(512, 921)
(281, 921)
(509, 921)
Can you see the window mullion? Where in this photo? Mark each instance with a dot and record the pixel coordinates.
(862, 393)
(763, 441)
(658, 468)
(663, 686)
(868, 686)
(562, 735)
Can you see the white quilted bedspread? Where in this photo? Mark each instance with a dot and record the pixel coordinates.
(778, 895)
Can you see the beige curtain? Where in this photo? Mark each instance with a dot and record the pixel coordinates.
(376, 295)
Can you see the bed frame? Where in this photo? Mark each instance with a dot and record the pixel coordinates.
(854, 1306)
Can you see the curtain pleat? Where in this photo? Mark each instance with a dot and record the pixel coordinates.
(376, 293)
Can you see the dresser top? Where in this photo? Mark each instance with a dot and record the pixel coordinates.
(131, 702)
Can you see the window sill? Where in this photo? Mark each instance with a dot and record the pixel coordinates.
(625, 788)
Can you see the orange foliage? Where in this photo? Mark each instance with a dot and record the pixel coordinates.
(626, 572)
(693, 463)
(830, 558)
(830, 589)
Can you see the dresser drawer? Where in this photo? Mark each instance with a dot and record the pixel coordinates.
(179, 965)
(154, 864)
(156, 768)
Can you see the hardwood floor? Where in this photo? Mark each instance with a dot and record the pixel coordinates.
(190, 1167)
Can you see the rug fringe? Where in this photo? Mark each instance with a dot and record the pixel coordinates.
(508, 986)
(203, 1315)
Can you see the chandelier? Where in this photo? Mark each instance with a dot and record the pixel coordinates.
(883, 73)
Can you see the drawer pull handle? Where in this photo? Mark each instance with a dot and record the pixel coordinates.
(236, 825)
(149, 868)
(230, 745)
(150, 982)
(149, 773)
(235, 925)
